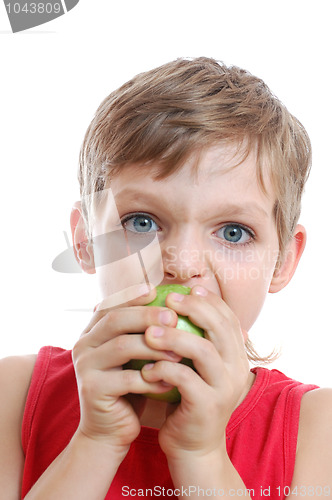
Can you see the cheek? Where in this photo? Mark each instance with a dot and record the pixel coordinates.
(244, 286)
(121, 270)
(119, 282)
(246, 303)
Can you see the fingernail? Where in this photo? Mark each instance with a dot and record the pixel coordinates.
(166, 384)
(165, 317)
(148, 366)
(173, 355)
(199, 290)
(157, 331)
(178, 297)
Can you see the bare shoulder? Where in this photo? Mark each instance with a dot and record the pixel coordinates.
(313, 467)
(15, 377)
(20, 363)
(315, 416)
(16, 372)
(313, 401)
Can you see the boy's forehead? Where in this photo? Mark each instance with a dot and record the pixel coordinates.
(222, 163)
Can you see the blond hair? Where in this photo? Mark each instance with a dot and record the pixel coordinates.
(164, 116)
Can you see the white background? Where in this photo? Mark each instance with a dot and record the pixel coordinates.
(54, 76)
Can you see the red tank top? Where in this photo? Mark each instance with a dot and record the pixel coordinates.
(261, 433)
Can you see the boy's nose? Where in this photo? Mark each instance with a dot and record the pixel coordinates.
(184, 262)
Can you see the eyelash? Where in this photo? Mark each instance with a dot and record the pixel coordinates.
(247, 230)
(242, 227)
(134, 215)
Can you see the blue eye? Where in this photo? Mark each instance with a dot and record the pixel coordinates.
(234, 233)
(139, 223)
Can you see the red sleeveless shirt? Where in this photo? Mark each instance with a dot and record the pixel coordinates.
(261, 433)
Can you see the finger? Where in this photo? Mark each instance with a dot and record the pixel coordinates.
(147, 295)
(123, 382)
(127, 320)
(190, 346)
(122, 349)
(188, 382)
(211, 313)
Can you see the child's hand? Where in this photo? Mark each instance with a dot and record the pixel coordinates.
(106, 344)
(209, 396)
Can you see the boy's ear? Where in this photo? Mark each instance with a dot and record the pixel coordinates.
(284, 273)
(82, 248)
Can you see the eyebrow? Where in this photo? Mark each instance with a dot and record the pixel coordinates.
(132, 194)
(245, 209)
(227, 210)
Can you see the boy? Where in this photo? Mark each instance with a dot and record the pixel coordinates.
(207, 160)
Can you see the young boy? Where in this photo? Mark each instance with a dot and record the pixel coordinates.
(205, 159)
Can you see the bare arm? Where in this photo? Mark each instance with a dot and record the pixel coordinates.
(87, 464)
(85, 470)
(212, 475)
(15, 376)
(313, 468)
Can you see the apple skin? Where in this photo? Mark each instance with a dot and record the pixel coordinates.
(172, 396)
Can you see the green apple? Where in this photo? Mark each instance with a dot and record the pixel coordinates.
(172, 396)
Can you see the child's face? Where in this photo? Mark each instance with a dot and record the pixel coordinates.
(215, 228)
